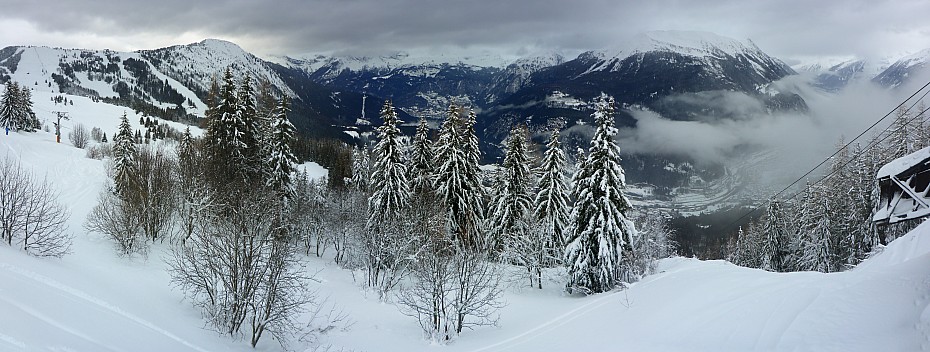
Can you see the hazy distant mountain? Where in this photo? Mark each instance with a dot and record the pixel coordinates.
(905, 68)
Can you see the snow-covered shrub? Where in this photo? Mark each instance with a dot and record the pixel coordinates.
(96, 134)
(99, 151)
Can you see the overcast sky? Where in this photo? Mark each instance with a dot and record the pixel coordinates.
(788, 29)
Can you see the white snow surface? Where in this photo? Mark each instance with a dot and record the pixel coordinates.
(94, 300)
(314, 170)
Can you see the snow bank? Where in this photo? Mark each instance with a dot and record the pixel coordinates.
(314, 170)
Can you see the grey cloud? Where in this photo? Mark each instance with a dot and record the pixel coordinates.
(785, 28)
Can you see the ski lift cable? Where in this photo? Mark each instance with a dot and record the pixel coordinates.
(919, 115)
(844, 147)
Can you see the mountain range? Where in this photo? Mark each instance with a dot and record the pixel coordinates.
(680, 75)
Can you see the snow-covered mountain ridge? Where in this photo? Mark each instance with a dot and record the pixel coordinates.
(835, 73)
(685, 43)
(197, 63)
(174, 82)
(175, 78)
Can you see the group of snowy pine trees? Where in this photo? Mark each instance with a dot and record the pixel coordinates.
(827, 227)
(16, 112)
(226, 202)
(433, 218)
(531, 215)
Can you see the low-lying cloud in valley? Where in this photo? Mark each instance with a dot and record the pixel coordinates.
(739, 123)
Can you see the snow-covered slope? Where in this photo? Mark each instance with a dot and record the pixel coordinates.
(93, 300)
(705, 46)
(517, 74)
(197, 63)
(167, 78)
(97, 73)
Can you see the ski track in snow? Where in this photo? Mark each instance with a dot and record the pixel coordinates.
(12, 342)
(54, 323)
(60, 287)
(553, 323)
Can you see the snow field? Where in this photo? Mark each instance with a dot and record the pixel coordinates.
(93, 300)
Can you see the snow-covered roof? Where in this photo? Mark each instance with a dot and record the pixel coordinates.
(903, 163)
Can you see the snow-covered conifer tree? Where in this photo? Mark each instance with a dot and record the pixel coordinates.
(248, 159)
(28, 119)
(862, 236)
(816, 240)
(124, 154)
(776, 238)
(386, 241)
(600, 242)
(421, 162)
(552, 202)
(457, 182)
(221, 135)
(904, 135)
(512, 222)
(512, 207)
(388, 181)
(16, 109)
(8, 113)
(281, 160)
(922, 135)
(361, 169)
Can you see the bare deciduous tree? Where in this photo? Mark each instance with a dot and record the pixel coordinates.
(239, 267)
(155, 193)
(117, 218)
(344, 223)
(452, 291)
(79, 136)
(145, 208)
(30, 217)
